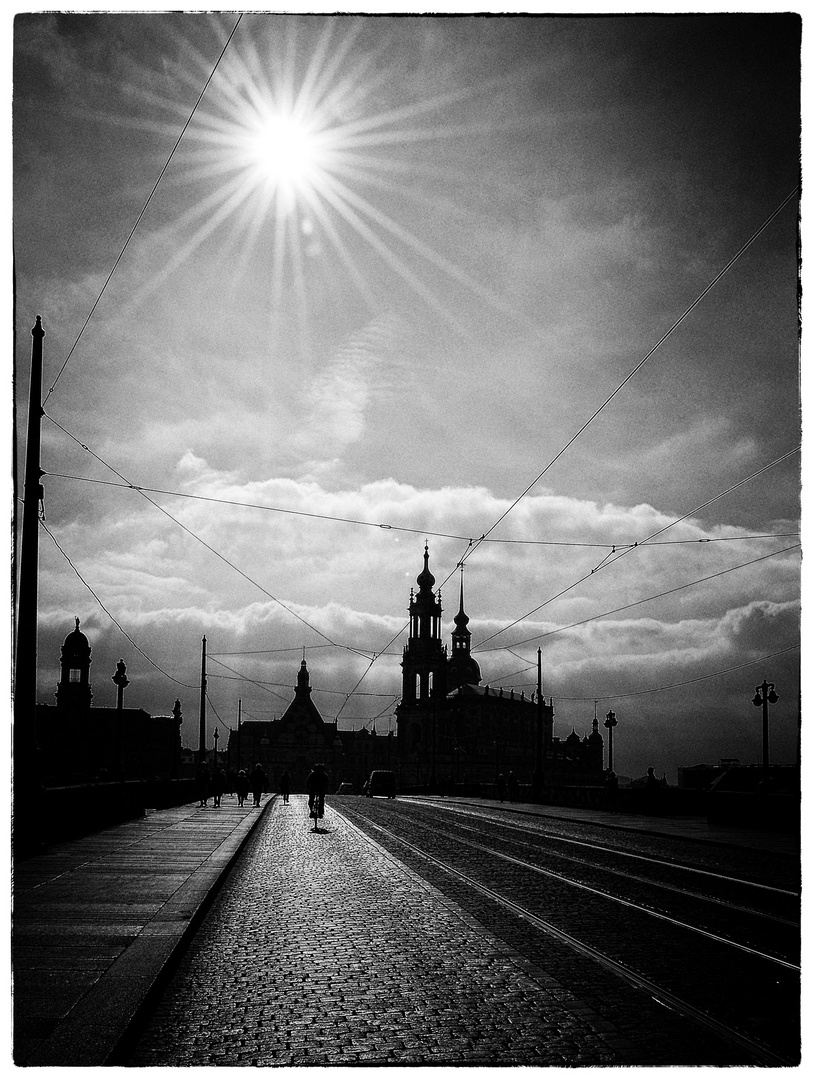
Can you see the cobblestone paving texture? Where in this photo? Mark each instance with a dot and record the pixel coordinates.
(324, 949)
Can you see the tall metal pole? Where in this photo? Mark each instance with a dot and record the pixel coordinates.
(202, 728)
(538, 767)
(239, 747)
(121, 680)
(26, 765)
(610, 724)
(765, 695)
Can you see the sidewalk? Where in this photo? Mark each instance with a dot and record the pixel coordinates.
(97, 919)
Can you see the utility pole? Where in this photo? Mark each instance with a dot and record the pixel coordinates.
(202, 727)
(26, 766)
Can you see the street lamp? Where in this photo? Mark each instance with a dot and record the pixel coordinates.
(765, 696)
(610, 724)
(121, 680)
(216, 736)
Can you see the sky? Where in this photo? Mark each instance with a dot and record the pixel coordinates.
(319, 290)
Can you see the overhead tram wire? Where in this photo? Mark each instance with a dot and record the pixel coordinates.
(644, 600)
(113, 619)
(209, 547)
(703, 506)
(473, 546)
(381, 525)
(684, 682)
(144, 209)
(238, 676)
(640, 544)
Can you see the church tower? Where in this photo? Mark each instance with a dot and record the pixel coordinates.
(424, 663)
(462, 669)
(73, 691)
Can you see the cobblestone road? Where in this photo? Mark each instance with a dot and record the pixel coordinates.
(322, 949)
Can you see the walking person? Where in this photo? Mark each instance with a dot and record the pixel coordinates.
(511, 784)
(242, 787)
(285, 786)
(202, 783)
(218, 784)
(501, 787)
(258, 782)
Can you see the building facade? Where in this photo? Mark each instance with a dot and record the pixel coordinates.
(300, 738)
(78, 742)
(454, 731)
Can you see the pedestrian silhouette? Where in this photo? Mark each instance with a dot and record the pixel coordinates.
(285, 786)
(242, 787)
(501, 787)
(202, 783)
(218, 785)
(258, 782)
(511, 784)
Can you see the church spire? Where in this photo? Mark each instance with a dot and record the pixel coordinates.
(463, 668)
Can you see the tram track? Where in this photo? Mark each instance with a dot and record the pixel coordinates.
(511, 891)
(616, 852)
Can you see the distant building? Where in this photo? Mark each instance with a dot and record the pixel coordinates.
(79, 742)
(300, 738)
(452, 730)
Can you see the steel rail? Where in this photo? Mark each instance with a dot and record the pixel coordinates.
(665, 997)
(613, 851)
(703, 897)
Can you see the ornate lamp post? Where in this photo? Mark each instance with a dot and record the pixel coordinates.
(121, 680)
(216, 736)
(765, 696)
(538, 748)
(610, 724)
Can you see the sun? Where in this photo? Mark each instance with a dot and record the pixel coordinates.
(283, 151)
(300, 153)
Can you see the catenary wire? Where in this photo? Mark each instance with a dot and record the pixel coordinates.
(144, 209)
(638, 545)
(397, 528)
(372, 659)
(209, 547)
(687, 311)
(683, 682)
(112, 618)
(644, 600)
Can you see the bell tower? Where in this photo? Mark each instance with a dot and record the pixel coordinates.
(73, 690)
(463, 668)
(424, 662)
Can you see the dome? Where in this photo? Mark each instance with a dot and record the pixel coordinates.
(76, 643)
(425, 579)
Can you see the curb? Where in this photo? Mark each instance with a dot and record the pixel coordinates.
(99, 1028)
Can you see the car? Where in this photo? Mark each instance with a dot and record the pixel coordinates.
(345, 788)
(381, 782)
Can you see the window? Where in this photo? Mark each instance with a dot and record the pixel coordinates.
(74, 675)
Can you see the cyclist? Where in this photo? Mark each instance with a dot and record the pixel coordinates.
(316, 785)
